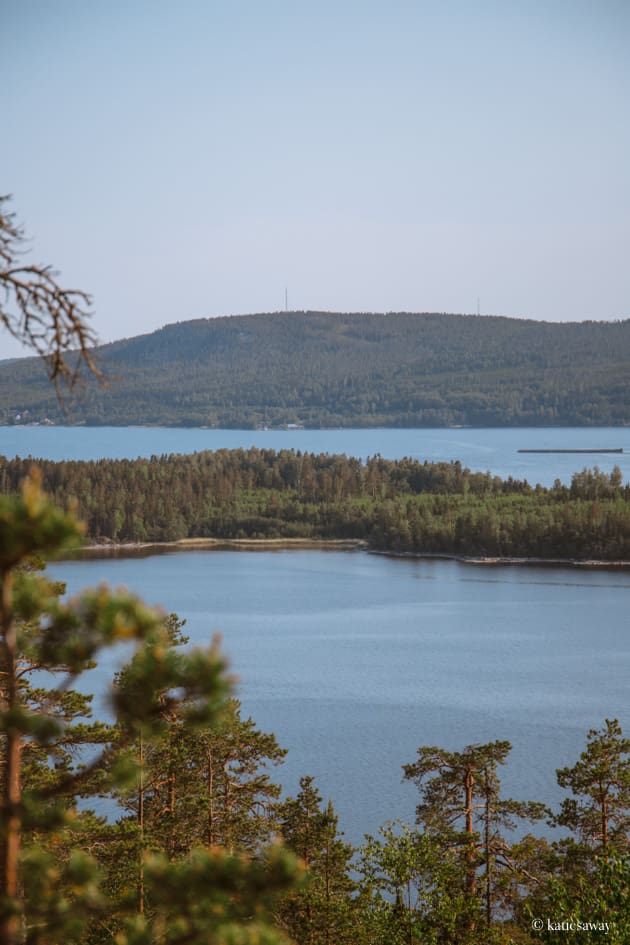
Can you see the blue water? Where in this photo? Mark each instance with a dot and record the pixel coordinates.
(479, 449)
(355, 660)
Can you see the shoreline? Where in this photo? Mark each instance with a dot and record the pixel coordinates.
(508, 560)
(147, 549)
(135, 549)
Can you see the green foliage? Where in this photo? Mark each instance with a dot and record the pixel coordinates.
(212, 898)
(323, 911)
(62, 897)
(402, 506)
(160, 680)
(461, 807)
(206, 785)
(31, 526)
(602, 778)
(323, 369)
(51, 881)
(595, 908)
(411, 889)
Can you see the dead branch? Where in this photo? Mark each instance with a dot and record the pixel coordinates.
(36, 310)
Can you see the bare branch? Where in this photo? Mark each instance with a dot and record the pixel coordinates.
(36, 310)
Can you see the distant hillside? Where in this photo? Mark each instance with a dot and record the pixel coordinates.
(324, 369)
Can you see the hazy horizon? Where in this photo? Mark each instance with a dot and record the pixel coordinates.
(199, 160)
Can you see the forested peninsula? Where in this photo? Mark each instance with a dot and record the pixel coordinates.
(401, 506)
(317, 369)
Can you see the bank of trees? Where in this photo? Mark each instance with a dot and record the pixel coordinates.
(402, 505)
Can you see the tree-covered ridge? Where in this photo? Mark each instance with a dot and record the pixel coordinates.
(399, 505)
(324, 369)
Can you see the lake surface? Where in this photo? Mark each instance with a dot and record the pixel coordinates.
(479, 449)
(354, 660)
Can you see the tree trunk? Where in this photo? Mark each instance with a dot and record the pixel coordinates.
(227, 833)
(12, 788)
(172, 775)
(471, 879)
(210, 782)
(141, 828)
(487, 854)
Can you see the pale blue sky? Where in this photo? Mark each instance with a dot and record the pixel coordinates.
(188, 159)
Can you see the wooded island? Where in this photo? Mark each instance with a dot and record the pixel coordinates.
(391, 505)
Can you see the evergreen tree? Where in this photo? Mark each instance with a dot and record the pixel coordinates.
(599, 813)
(322, 912)
(208, 786)
(462, 790)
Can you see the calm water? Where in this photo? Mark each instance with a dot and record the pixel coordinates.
(354, 660)
(481, 449)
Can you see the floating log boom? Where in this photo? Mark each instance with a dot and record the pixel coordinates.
(571, 451)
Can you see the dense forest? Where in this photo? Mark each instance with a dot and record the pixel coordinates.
(401, 506)
(202, 848)
(324, 370)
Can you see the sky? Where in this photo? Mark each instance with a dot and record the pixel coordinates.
(200, 158)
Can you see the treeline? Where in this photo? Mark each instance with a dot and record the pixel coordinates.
(327, 370)
(392, 505)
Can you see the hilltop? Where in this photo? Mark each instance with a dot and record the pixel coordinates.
(324, 369)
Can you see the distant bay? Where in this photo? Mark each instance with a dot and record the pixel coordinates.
(493, 449)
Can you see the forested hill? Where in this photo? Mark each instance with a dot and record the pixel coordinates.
(325, 369)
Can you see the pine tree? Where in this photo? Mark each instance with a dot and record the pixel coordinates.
(599, 813)
(209, 786)
(321, 913)
(462, 790)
